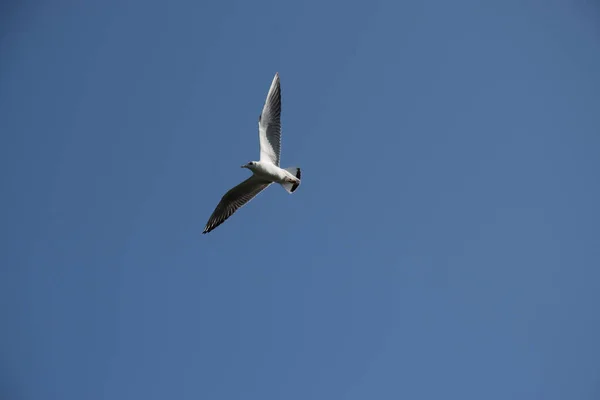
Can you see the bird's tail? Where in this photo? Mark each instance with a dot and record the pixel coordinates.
(291, 187)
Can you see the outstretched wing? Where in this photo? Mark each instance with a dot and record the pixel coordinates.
(234, 199)
(269, 124)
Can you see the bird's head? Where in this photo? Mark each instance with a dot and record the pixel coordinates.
(249, 165)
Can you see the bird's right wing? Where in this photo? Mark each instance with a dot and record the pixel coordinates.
(234, 199)
(269, 124)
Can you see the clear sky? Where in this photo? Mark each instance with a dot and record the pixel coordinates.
(444, 243)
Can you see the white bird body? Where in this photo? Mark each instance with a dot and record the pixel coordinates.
(271, 172)
(265, 171)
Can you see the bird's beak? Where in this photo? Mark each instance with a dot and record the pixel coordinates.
(243, 166)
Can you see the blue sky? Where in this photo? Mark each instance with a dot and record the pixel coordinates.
(444, 242)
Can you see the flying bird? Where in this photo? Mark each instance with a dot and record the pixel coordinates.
(265, 171)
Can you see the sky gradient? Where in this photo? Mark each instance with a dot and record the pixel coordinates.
(444, 243)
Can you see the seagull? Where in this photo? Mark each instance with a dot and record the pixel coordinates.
(265, 171)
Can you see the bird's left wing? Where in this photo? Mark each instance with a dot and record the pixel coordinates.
(234, 199)
(269, 124)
